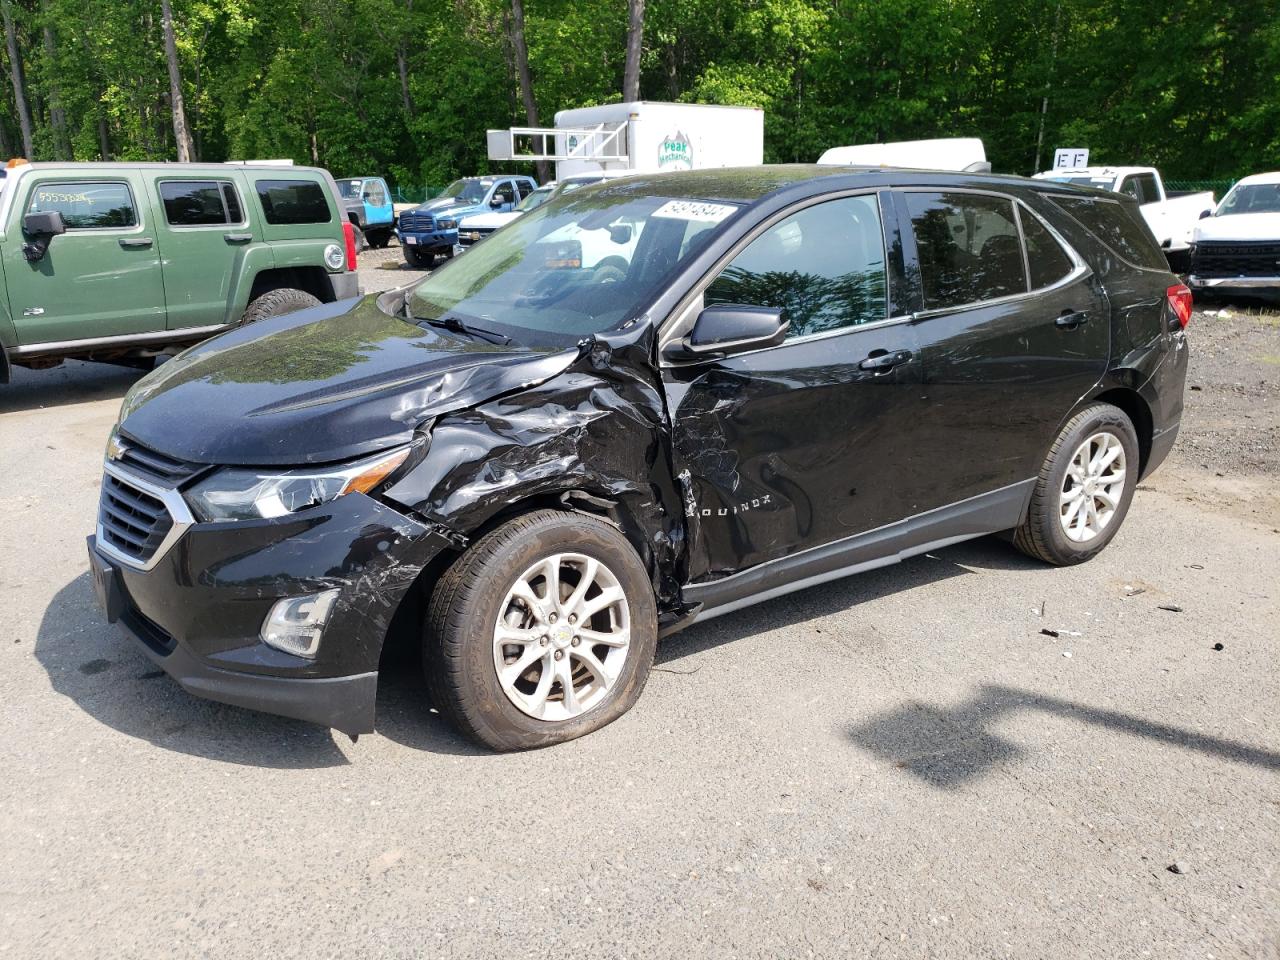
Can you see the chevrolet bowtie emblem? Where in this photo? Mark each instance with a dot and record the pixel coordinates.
(115, 447)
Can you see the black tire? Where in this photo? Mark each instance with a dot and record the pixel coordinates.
(378, 239)
(446, 252)
(362, 243)
(419, 259)
(458, 647)
(1041, 534)
(276, 303)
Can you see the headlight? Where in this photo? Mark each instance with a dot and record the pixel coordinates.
(235, 493)
(446, 224)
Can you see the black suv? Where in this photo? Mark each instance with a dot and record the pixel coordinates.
(539, 467)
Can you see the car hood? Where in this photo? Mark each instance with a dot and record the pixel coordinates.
(320, 385)
(1240, 226)
(445, 207)
(488, 221)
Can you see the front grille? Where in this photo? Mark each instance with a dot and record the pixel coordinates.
(131, 520)
(417, 222)
(155, 466)
(1261, 259)
(470, 235)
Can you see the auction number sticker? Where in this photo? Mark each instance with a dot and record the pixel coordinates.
(694, 210)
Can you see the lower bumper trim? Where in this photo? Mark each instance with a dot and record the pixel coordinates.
(345, 703)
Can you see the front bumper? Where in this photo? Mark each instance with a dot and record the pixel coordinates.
(468, 237)
(439, 240)
(197, 611)
(1233, 283)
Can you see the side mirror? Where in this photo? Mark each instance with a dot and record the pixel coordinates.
(1205, 214)
(41, 228)
(730, 328)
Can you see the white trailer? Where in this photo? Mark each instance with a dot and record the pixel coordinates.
(947, 153)
(639, 137)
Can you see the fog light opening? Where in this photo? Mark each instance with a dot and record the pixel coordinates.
(295, 624)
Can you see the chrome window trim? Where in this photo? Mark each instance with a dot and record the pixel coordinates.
(180, 517)
(672, 328)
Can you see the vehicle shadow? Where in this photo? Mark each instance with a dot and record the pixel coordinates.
(950, 747)
(74, 381)
(105, 674)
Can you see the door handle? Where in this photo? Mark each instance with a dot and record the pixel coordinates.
(237, 237)
(885, 360)
(135, 243)
(1070, 319)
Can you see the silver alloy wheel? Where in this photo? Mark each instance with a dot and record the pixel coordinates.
(1092, 488)
(562, 637)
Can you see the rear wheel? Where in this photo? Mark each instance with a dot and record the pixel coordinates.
(418, 259)
(1084, 488)
(378, 238)
(544, 630)
(276, 303)
(361, 242)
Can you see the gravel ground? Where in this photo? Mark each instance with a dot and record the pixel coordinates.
(902, 764)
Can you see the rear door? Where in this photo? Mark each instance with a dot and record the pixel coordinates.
(1013, 329)
(102, 277)
(203, 236)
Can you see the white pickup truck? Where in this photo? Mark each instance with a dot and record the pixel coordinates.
(1238, 248)
(1172, 217)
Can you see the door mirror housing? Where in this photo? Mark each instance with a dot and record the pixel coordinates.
(48, 224)
(499, 199)
(40, 228)
(1205, 213)
(730, 328)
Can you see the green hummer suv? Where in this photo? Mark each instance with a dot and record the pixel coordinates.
(123, 262)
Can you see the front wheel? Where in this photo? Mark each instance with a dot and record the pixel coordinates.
(276, 303)
(1084, 488)
(418, 259)
(544, 630)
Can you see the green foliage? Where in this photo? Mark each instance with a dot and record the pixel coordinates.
(1187, 85)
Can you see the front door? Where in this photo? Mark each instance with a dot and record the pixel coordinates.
(101, 278)
(203, 241)
(807, 442)
(1007, 344)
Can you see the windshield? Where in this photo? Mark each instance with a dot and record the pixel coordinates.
(350, 189)
(467, 191)
(575, 266)
(1251, 198)
(535, 199)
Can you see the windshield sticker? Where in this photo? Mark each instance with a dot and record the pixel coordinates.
(694, 210)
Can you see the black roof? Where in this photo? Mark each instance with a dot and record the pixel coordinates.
(749, 184)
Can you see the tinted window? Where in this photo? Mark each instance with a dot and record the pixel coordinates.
(1048, 261)
(1142, 187)
(292, 201)
(968, 247)
(86, 205)
(1114, 225)
(823, 266)
(374, 194)
(232, 198)
(194, 203)
(525, 188)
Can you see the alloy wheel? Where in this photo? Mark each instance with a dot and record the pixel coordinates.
(1093, 487)
(562, 637)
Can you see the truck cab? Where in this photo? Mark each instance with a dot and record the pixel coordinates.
(367, 202)
(124, 262)
(431, 229)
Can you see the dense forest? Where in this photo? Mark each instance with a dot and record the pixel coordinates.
(408, 87)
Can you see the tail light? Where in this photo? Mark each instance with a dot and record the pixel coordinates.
(349, 234)
(1180, 302)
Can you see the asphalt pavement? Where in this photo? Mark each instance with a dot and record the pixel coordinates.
(965, 755)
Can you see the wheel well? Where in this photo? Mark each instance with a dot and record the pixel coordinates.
(1131, 402)
(405, 630)
(313, 280)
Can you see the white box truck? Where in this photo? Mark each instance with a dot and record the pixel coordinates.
(639, 137)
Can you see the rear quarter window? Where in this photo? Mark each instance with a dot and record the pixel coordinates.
(293, 201)
(1112, 223)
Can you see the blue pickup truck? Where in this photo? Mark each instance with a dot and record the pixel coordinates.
(431, 229)
(367, 202)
